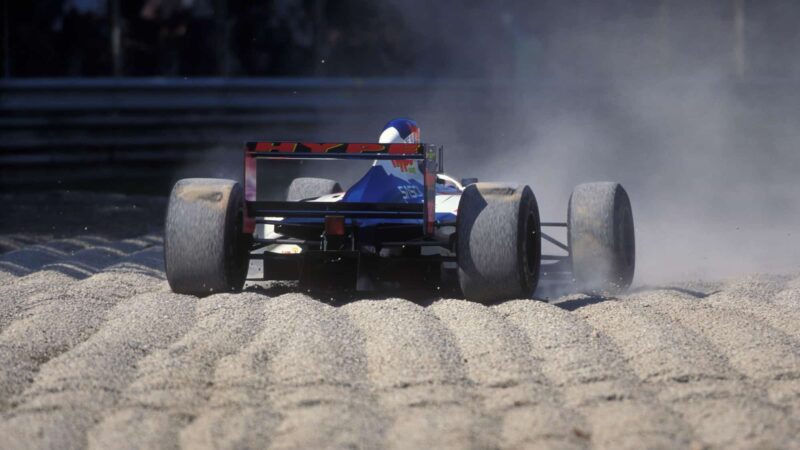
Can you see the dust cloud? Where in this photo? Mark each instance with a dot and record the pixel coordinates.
(654, 95)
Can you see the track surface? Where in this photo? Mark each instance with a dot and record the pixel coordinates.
(95, 351)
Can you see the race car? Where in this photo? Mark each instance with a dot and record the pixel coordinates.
(403, 222)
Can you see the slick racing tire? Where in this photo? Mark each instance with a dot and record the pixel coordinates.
(205, 250)
(601, 238)
(498, 242)
(305, 188)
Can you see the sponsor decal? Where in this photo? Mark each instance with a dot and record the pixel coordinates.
(409, 192)
(365, 148)
(280, 147)
(320, 148)
(405, 165)
(334, 148)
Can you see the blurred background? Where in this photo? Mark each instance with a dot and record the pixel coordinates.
(693, 106)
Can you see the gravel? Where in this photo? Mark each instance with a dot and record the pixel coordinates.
(95, 351)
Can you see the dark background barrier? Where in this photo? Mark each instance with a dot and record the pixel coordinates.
(125, 131)
(143, 133)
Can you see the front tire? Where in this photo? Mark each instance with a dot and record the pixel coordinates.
(205, 250)
(499, 242)
(601, 237)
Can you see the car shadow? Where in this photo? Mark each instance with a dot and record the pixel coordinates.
(577, 303)
(591, 299)
(689, 292)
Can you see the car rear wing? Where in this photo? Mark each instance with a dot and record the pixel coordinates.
(430, 155)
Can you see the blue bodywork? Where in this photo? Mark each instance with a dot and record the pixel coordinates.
(378, 186)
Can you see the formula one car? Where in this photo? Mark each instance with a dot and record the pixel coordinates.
(404, 221)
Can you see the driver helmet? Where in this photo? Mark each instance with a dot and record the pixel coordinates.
(399, 131)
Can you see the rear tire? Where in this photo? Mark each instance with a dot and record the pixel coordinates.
(305, 188)
(601, 237)
(499, 242)
(205, 250)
